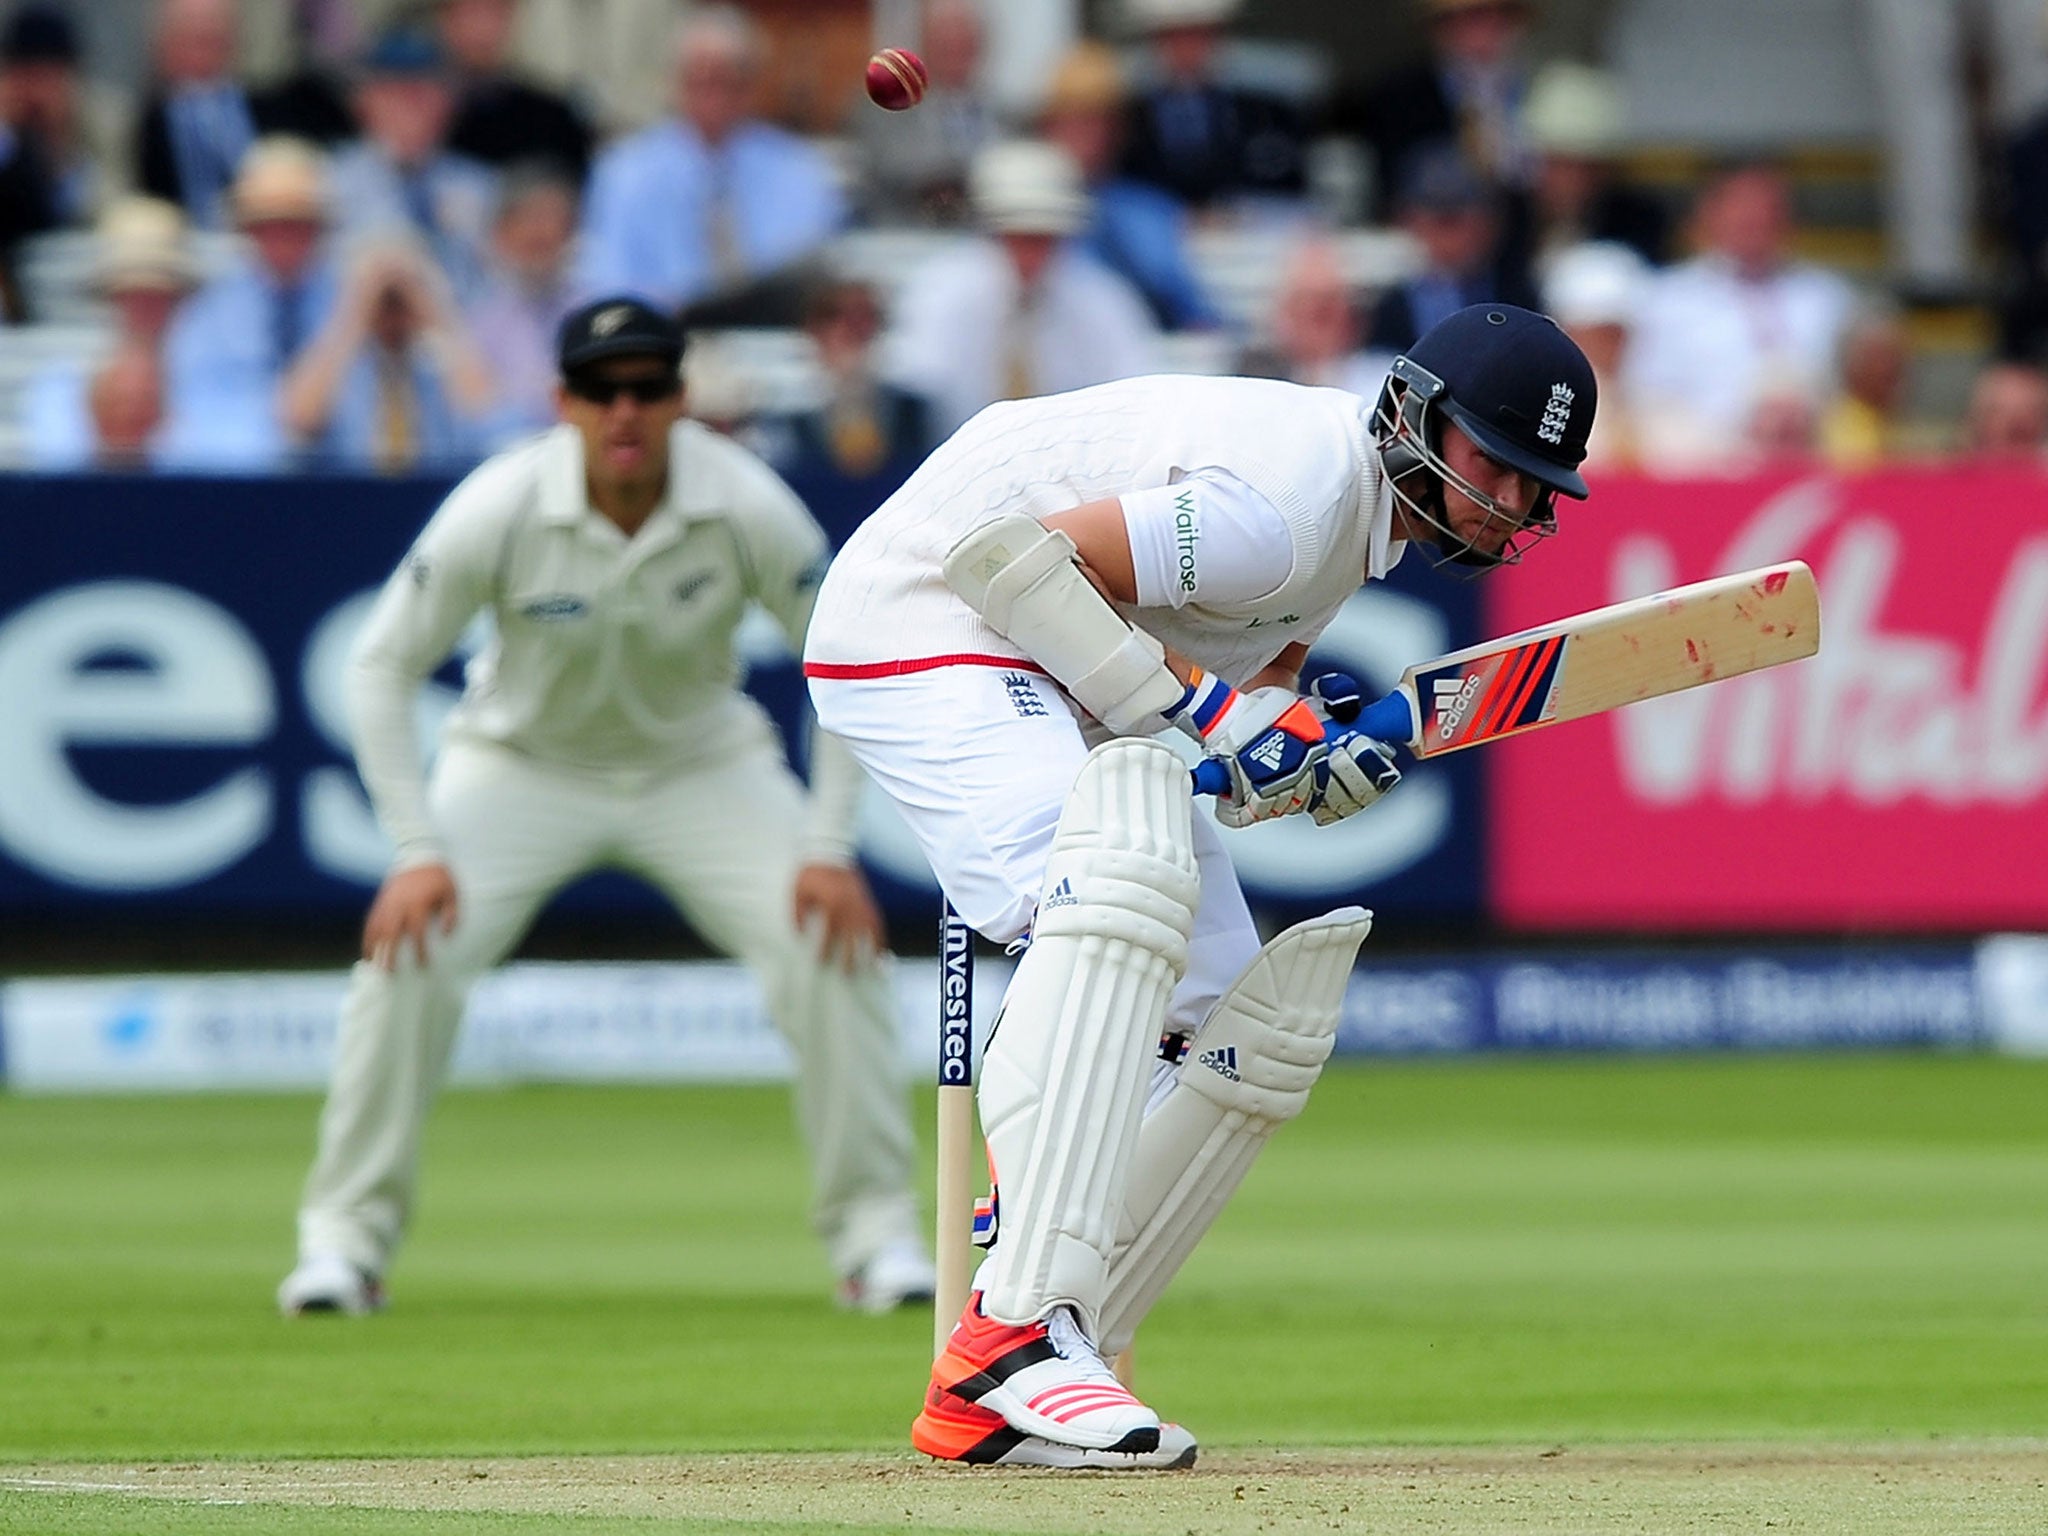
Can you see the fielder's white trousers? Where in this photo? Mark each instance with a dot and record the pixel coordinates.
(979, 760)
(516, 831)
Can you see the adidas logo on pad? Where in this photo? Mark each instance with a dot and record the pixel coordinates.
(1267, 754)
(1223, 1063)
(1062, 896)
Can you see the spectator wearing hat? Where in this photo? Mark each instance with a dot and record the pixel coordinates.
(1739, 325)
(45, 100)
(1593, 292)
(1135, 229)
(865, 435)
(1454, 217)
(1316, 333)
(915, 163)
(393, 383)
(1193, 133)
(1469, 90)
(710, 203)
(1024, 310)
(143, 270)
(400, 173)
(1574, 126)
(502, 119)
(527, 291)
(235, 338)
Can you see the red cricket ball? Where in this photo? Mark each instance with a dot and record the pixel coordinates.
(896, 79)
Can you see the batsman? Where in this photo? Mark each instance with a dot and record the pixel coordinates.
(1063, 580)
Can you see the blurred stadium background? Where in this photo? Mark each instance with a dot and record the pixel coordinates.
(1803, 237)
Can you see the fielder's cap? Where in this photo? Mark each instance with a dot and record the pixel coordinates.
(1598, 282)
(1437, 178)
(280, 178)
(39, 34)
(1162, 15)
(141, 245)
(1574, 109)
(617, 327)
(402, 50)
(1025, 187)
(1518, 387)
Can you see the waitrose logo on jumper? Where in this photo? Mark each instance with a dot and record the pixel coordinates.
(1185, 536)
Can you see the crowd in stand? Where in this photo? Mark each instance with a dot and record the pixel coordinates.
(360, 263)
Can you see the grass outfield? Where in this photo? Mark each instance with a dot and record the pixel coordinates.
(1619, 1260)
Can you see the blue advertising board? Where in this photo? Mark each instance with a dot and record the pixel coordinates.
(171, 654)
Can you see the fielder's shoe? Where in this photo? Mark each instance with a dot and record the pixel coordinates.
(1044, 1379)
(899, 1275)
(953, 1429)
(326, 1282)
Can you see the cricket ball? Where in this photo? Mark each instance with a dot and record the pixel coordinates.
(896, 79)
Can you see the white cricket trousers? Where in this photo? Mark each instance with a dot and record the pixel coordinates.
(516, 831)
(980, 760)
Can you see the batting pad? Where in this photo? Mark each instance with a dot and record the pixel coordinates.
(1248, 1072)
(1064, 1076)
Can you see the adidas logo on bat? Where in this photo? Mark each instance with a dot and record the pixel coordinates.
(1223, 1063)
(1454, 695)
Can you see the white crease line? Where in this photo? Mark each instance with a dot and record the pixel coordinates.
(70, 1487)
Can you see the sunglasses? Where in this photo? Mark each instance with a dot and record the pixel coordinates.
(605, 391)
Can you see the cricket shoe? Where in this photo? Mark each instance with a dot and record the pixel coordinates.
(952, 1429)
(899, 1275)
(1043, 1379)
(326, 1282)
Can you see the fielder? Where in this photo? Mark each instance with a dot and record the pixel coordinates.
(617, 554)
(1082, 571)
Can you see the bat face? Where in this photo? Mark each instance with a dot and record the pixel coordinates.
(1616, 655)
(1465, 702)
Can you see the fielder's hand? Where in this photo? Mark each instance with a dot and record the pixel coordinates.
(409, 904)
(834, 908)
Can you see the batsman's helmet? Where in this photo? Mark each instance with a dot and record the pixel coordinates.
(1512, 382)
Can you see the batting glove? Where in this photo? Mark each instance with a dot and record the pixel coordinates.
(1268, 740)
(1359, 770)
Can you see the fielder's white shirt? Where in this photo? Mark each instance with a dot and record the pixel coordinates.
(1256, 509)
(610, 654)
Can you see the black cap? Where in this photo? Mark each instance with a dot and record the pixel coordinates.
(617, 327)
(39, 34)
(1518, 386)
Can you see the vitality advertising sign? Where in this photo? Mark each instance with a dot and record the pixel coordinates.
(1898, 780)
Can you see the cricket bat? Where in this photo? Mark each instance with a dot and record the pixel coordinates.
(1592, 662)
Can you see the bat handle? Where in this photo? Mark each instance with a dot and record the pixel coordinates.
(1389, 719)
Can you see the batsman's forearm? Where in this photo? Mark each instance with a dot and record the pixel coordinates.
(836, 780)
(380, 712)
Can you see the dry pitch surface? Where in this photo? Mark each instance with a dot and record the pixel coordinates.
(1941, 1488)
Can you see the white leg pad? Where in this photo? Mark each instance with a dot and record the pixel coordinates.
(1064, 1076)
(1248, 1072)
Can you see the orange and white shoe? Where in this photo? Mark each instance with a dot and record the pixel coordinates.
(1043, 1379)
(967, 1434)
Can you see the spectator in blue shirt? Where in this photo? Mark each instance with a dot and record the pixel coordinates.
(1135, 229)
(233, 340)
(393, 383)
(711, 204)
(401, 174)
